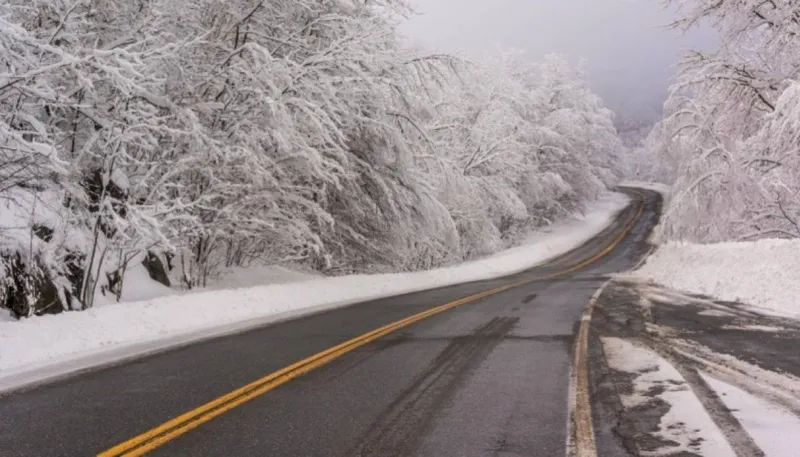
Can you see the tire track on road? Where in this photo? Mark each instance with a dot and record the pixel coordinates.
(399, 430)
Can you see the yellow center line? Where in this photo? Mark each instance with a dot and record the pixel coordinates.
(156, 437)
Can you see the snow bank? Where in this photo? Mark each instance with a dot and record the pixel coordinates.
(258, 275)
(49, 346)
(763, 273)
(138, 287)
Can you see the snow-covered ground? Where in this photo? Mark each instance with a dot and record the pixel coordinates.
(686, 426)
(763, 273)
(49, 346)
(253, 276)
(772, 428)
(140, 287)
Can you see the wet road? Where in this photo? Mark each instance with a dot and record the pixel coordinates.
(489, 377)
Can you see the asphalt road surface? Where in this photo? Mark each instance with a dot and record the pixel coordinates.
(487, 378)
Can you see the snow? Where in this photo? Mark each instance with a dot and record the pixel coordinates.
(19, 210)
(764, 273)
(716, 312)
(138, 287)
(252, 276)
(44, 347)
(754, 328)
(687, 423)
(773, 429)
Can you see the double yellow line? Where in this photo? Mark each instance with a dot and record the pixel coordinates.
(158, 436)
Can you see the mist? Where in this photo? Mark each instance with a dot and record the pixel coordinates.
(631, 53)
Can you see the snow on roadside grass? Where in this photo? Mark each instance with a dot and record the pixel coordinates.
(33, 347)
(763, 273)
(140, 287)
(258, 275)
(774, 429)
(686, 426)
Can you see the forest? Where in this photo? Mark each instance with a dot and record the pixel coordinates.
(729, 138)
(195, 135)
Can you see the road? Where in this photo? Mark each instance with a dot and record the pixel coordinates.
(487, 377)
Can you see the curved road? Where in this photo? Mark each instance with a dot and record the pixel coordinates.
(489, 376)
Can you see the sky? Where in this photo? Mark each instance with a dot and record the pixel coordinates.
(631, 55)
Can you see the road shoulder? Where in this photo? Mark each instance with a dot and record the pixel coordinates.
(692, 338)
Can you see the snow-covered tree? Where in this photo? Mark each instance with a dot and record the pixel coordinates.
(521, 145)
(205, 134)
(727, 140)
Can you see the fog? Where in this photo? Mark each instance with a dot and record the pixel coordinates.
(631, 55)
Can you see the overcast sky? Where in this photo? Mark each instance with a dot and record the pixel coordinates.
(631, 56)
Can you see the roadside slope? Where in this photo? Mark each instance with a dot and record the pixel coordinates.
(490, 376)
(764, 273)
(51, 346)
